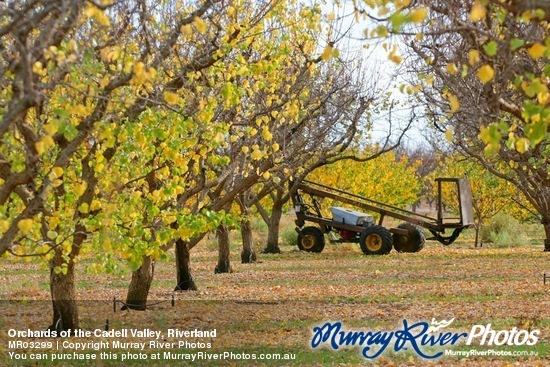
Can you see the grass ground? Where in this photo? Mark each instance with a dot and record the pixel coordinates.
(272, 306)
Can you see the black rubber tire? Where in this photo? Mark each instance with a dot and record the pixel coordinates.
(376, 240)
(413, 242)
(311, 240)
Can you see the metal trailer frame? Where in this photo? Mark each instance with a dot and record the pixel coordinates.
(437, 226)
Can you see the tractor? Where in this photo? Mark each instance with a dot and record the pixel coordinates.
(373, 237)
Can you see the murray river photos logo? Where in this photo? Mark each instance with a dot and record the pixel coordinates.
(418, 337)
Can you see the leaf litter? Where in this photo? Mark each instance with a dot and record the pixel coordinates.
(277, 301)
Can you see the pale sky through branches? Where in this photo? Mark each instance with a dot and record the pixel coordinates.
(351, 39)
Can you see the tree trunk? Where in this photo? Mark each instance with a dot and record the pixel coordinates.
(248, 255)
(477, 228)
(138, 291)
(273, 229)
(62, 289)
(185, 280)
(546, 224)
(224, 264)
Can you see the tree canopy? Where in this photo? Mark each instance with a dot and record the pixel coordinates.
(480, 69)
(129, 126)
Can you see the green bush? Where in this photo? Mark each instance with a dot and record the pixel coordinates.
(288, 236)
(503, 230)
(258, 224)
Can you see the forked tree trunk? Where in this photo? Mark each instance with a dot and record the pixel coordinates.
(273, 229)
(138, 291)
(185, 280)
(248, 255)
(224, 253)
(62, 289)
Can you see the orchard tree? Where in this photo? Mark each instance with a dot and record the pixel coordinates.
(75, 84)
(483, 73)
(109, 133)
(248, 254)
(312, 115)
(386, 179)
(185, 171)
(252, 105)
(272, 96)
(329, 129)
(276, 194)
(425, 161)
(54, 96)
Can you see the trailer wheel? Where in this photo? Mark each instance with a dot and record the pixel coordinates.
(376, 240)
(413, 242)
(311, 239)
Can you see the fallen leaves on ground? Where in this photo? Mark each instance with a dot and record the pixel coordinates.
(277, 301)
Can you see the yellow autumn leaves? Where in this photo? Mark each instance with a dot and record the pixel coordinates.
(452, 68)
(388, 179)
(97, 14)
(419, 14)
(329, 52)
(482, 65)
(25, 225)
(200, 26)
(485, 73)
(171, 98)
(478, 11)
(453, 102)
(537, 50)
(142, 74)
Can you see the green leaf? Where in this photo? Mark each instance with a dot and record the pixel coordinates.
(534, 88)
(381, 31)
(490, 48)
(159, 133)
(516, 43)
(69, 132)
(536, 132)
(227, 90)
(539, 13)
(51, 235)
(490, 135)
(399, 19)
